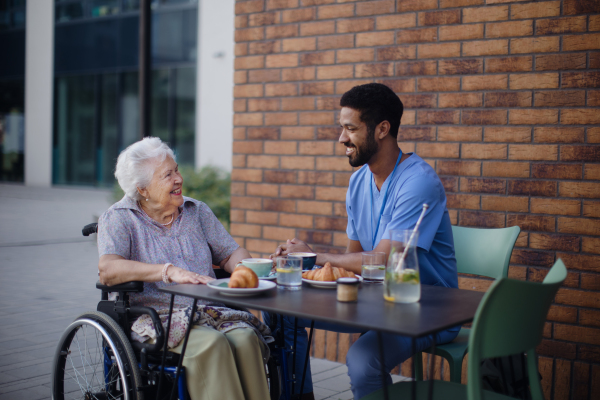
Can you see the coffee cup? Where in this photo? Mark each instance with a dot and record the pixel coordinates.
(308, 259)
(261, 266)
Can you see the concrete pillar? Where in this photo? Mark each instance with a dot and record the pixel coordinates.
(214, 91)
(39, 72)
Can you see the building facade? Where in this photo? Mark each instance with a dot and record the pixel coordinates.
(69, 93)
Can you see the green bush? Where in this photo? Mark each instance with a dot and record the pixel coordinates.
(210, 185)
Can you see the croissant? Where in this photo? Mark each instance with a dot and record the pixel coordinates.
(327, 274)
(243, 277)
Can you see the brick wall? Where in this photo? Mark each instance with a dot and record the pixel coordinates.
(502, 98)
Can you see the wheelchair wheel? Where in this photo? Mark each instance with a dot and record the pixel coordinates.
(274, 378)
(94, 360)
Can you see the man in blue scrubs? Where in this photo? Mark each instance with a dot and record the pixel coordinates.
(387, 193)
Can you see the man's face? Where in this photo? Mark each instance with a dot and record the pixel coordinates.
(358, 139)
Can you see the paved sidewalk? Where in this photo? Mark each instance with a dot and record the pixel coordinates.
(48, 272)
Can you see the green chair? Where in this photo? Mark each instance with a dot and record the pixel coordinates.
(484, 252)
(509, 320)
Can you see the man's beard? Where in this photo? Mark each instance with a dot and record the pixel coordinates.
(368, 149)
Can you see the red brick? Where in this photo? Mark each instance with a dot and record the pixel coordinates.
(592, 171)
(297, 103)
(580, 153)
(468, 201)
(595, 59)
(532, 152)
(485, 48)
(336, 224)
(408, 117)
(580, 189)
(531, 257)
(277, 233)
(316, 88)
(574, 7)
(555, 62)
(317, 28)
(435, 18)
(240, 77)
(555, 206)
(335, 11)
(281, 89)
(556, 171)
(298, 15)
(260, 19)
(581, 226)
(532, 188)
(558, 135)
(281, 60)
(315, 148)
(509, 134)
(446, 84)
(249, 6)
(459, 134)
(279, 205)
(532, 222)
(542, 44)
(355, 55)
(375, 7)
(484, 14)
(535, 10)
(560, 98)
(483, 185)
(416, 5)
(509, 29)
(509, 64)
(239, 105)
(464, 168)
(277, 4)
(248, 119)
(481, 219)
(594, 23)
(315, 207)
(299, 44)
(249, 62)
(450, 183)
(438, 50)
(561, 25)
(267, 47)
(508, 99)
(298, 162)
(533, 116)
(485, 82)
(461, 32)
(484, 117)
(333, 164)
(557, 349)
(261, 189)
(281, 31)
(436, 117)
(374, 39)
(578, 298)
(247, 91)
(355, 25)
(462, 66)
(296, 220)
(310, 236)
(395, 21)
(534, 81)
(461, 3)
(328, 133)
(328, 103)
(335, 42)
(438, 150)
(298, 74)
(249, 34)
(246, 203)
(418, 133)
(590, 245)
(374, 70)
(419, 100)
(317, 58)
(335, 72)
(589, 41)
(593, 98)
(315, 178)
(297, 192)
(416, 35)
(590, 281)
(262, 217)
(281, 118)
(505, 169)
(593, 135)
(580, 116)
(554, 242)
(396, 53)
(280, 176)
(503, 203)
(263, 133)
(460, 100)
(316, 118)
(580, 79)
(562, 381)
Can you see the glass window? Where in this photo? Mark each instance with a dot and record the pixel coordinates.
(108, 146)
(130, 110)
(185, 115)
(161, 104)
(103, 8)
(12, 132)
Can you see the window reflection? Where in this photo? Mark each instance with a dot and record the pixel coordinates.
(12, 132)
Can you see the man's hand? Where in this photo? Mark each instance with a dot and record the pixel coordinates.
(292, 246)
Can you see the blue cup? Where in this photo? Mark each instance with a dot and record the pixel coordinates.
(308, 260)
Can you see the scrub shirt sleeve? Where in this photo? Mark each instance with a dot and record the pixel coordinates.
(351, 227)
(408, 204)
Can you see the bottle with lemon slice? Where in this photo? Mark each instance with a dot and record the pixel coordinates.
(402, 283)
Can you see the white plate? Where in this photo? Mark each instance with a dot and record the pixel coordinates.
(324, 284)
(263, 286)
(271, 277)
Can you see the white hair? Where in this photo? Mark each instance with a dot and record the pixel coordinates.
(136, 164)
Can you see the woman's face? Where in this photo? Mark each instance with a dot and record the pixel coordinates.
(164, 190)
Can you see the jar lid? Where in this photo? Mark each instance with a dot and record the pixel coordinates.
(347, 281)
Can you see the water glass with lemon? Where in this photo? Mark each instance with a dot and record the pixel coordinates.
(289, 273)
(402, 283)
(373, 266)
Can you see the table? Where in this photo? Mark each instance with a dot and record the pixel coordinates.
(440, 307)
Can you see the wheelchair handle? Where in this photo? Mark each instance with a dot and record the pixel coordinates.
(89, 229)
(160, 332)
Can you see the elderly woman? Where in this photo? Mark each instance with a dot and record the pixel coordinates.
(156, 235)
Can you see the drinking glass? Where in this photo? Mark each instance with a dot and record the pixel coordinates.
(373, 266)
(402, 283)
(289, 273)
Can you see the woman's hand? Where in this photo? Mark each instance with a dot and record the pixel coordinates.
(292, 246)
(180, 275)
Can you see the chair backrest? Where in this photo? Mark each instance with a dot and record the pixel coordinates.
(510, 320)
(484, 251)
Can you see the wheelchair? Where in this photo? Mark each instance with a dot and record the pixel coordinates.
(95, 358)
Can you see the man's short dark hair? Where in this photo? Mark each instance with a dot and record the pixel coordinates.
(376, 103)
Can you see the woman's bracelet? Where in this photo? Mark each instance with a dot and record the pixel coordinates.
(165, 277)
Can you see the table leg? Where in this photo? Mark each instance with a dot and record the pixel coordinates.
(414, 380)
(165, 347)
(294, 355)
(383, 371)
(432, 369)
(185, 341)
(307, 359)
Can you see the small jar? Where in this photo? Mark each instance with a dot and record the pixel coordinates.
(347, 289)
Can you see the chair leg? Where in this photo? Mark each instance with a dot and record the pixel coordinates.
(418, 366)
(455, 369)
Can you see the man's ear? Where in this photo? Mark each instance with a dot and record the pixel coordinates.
(383, 129)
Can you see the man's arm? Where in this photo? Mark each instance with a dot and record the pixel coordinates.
(350, 260)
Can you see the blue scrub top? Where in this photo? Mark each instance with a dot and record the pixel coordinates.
(412, 184)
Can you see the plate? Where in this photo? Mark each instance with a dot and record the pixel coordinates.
(271, 277)
(324, 284)
(221, 286)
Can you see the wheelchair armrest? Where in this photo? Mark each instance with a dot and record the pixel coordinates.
(160, 332)
(135, 286)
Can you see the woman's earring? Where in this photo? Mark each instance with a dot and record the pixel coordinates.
(147, 199)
